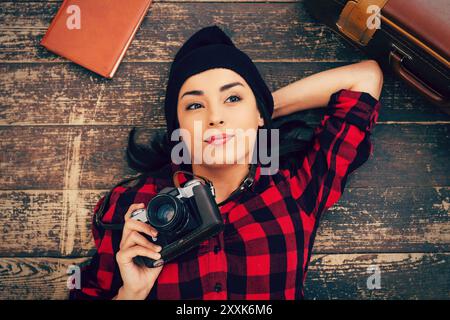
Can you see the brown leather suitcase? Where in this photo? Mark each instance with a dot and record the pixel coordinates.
(409, 37)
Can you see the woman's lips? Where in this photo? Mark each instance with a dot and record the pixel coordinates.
(219, 139)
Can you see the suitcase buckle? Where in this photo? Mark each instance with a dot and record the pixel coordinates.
(354, 20)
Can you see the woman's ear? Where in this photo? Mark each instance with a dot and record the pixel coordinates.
(261, 121)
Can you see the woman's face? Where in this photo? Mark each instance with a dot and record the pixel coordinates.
(218, 117)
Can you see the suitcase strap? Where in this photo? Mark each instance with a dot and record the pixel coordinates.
(357, 20)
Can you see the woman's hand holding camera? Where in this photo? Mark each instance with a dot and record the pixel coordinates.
(137, 280)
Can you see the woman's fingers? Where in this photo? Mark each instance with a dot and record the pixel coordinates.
(127, 217)
(139, 226)
(132, 228)
(126, 256)
(135, 225)
(132, 208)
(135, 238)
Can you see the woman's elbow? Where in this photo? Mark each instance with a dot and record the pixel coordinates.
(371, 78)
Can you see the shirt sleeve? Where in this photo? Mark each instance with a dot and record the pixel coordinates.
(341, 144)
(100, 279)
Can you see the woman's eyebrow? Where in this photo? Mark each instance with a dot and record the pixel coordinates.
(222, 88)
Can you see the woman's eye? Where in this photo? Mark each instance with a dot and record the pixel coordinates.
(238, 98)
(193, 106)
(197, 105)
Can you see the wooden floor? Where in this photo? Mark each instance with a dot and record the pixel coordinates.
(64, 130)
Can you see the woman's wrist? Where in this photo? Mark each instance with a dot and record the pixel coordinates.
(127, 294)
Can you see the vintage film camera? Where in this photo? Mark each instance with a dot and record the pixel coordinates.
(184, 217)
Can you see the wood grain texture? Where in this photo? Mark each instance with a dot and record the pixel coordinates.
(335, 276)
(402, 219)
(403, 276)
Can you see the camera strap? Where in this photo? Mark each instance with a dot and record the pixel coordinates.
(102, 210)
(245, 184)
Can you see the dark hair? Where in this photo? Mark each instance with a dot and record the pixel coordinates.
(292, 147)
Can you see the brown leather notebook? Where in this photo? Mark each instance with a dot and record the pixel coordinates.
(95, 34)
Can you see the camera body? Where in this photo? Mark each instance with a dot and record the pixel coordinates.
(184, 217)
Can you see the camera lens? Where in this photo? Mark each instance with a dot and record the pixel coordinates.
(166, 213)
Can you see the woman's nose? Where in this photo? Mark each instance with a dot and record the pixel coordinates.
(215, 118)
(214, 123)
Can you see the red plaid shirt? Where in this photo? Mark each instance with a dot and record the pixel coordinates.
(265, 248)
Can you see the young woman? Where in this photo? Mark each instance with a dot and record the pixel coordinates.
(270, 219)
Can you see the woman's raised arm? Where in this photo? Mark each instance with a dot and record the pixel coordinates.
(315, 90)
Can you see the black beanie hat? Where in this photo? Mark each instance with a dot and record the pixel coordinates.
(211, 48)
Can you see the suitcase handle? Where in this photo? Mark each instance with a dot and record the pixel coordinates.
(396, 62)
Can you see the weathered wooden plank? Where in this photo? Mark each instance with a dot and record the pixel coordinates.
(387, 220)
(337, 276)
(59, 157)
(44, 223)
(85, 157)
(403, 276)
(287, 32)
(67, 94)
(35, 278)
(47, 223)
(402, 153)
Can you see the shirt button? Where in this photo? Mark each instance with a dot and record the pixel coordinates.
(216, 249)
(218, 287)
